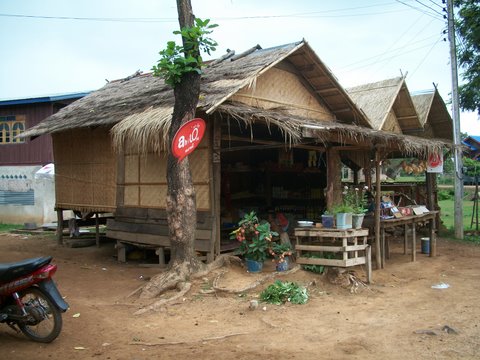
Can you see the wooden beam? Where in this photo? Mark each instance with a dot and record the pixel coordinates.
(378, 254)
(216, 189)
(59, 233)
(265, 142)
(334, 180)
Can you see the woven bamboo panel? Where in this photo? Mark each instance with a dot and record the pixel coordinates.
(360, 158)
(292, 95)
(85, 169)
(131, 195)
(132, 174)
(199, 165)
(391, 124)
(153, 169)
(62, 148)
(102, 177)
(153, 196)
(203, 197)
(62, 183)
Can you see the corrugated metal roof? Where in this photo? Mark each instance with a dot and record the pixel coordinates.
(43, 99)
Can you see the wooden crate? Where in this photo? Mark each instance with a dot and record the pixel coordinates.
(351, 244)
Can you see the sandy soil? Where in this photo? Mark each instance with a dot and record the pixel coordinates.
(385, 321)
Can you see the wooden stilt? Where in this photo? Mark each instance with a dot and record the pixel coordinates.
(59, 233)
(97, 230)
(368, 254)
(378, 250)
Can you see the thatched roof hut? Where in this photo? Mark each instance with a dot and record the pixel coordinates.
(434, 116)
(388, 105)
(258, 105)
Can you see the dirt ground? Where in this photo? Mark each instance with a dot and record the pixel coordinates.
(388, 320)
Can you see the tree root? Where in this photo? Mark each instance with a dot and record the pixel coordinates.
(183, 287)
(177, 277)
(254, 284)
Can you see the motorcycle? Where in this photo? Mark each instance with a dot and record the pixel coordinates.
(30, 300)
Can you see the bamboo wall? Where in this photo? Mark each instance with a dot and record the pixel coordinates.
(391, 124)
(85, 170)
(281, 88)
(146, 178)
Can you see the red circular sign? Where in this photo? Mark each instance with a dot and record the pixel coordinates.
(434, 160)
(187, 138)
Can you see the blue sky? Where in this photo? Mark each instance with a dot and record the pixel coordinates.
(59, 46)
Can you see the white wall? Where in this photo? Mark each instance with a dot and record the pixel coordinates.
(44, 196)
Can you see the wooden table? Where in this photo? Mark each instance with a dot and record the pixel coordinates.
(405, 222)
(352, 243)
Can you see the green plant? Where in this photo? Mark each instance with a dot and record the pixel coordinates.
(280, 292)
(177, 60)
(9, 227)
(319, 269)
(353, 201)
(446, 194)
(279, 251)
(255, 237)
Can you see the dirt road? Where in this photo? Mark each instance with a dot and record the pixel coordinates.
(388, 320)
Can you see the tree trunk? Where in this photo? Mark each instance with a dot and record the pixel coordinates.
(181, 203)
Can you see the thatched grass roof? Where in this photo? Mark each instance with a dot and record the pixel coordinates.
(434, 116)
(302, 129)
(378, 99)
(140, 107)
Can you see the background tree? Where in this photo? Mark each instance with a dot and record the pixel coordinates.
(468, 51)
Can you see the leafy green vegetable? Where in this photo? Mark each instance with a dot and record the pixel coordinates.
(280, 292)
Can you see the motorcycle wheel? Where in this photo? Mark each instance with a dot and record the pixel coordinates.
(46, 319)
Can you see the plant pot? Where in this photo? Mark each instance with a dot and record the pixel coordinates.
(357, 220)
(327, 221)
(254, 266)
(344, 220)
(283, 266)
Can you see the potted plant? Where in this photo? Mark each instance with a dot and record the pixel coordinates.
(344, 210)
(327, 219)
(353, 206)
(255, 239)
(281, 255)
(359, 207)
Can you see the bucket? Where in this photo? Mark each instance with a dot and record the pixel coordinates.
(254, 266)
(327, 221)
(425, 245)
(344, 220)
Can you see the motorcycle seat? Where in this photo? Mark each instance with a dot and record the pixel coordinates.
(11, 271)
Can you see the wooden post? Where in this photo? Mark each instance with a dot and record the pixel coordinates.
(97, 230)
(378, 253)
(334, 179)
(368, 254)
(433, 238)
(216, 189)
(414, 242)
(59, 227)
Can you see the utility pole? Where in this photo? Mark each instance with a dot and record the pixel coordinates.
(458, 205)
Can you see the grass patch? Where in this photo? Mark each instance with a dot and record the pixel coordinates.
(9, 227)
(447, 215)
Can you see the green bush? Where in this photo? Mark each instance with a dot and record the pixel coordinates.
(446, 194)
(280, 292)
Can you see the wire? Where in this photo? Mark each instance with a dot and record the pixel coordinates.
(315, 14)
(395, 50)
(389, 58)
(429, 7)
(418, 9)
(426, 55)
(434, 3)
